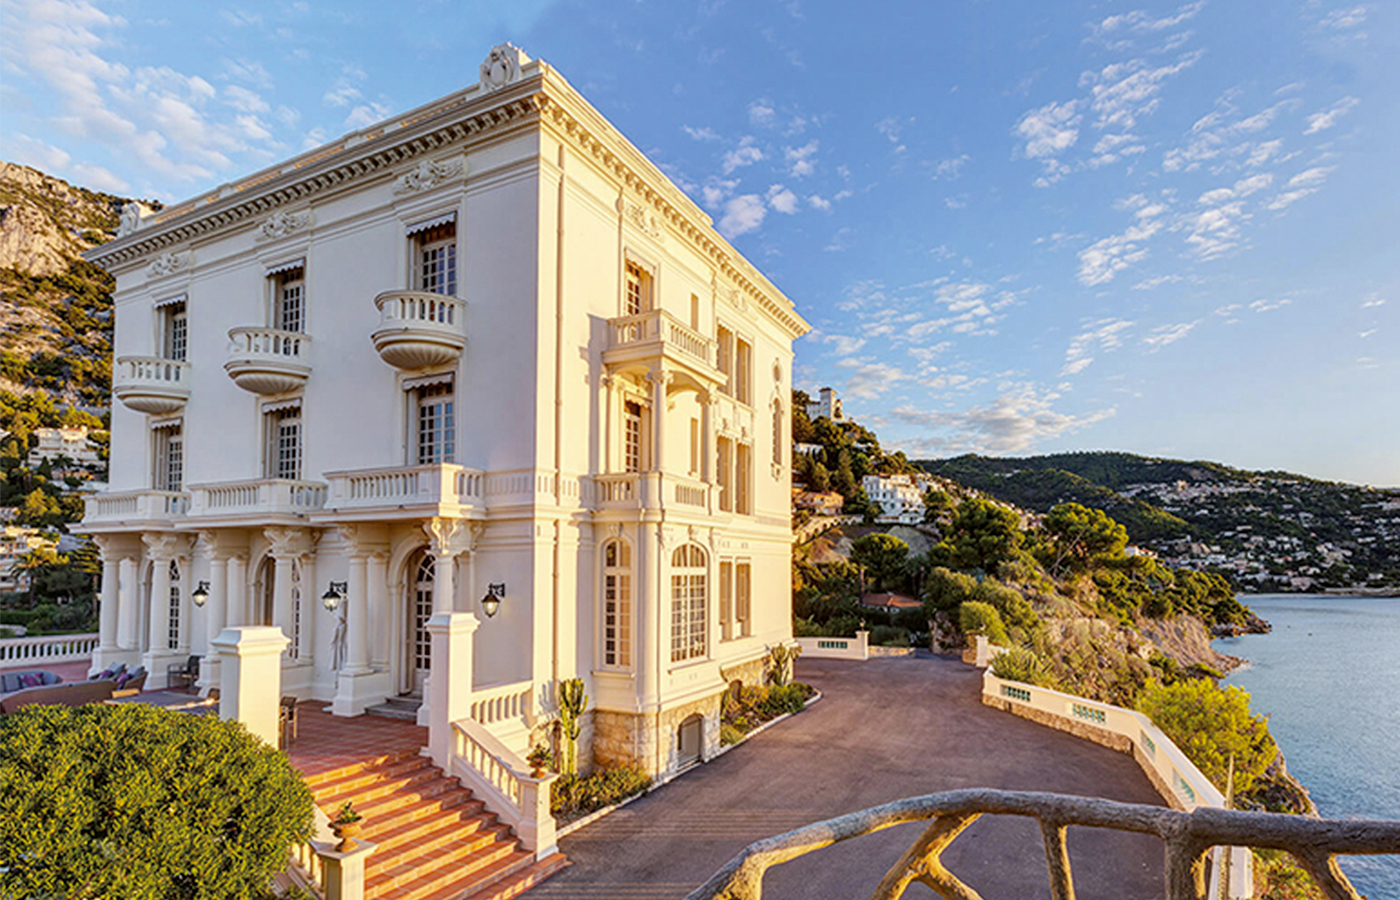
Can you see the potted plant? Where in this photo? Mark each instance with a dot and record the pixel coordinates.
(346, 825)
(539, 758)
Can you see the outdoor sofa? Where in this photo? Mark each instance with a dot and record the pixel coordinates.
(74, 693)
(18, 681)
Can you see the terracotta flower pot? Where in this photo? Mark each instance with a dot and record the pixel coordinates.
(346, 831)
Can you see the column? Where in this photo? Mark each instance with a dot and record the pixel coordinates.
(310, 602)
(378, 611)
(609, 417)
(215, 617)
(249, 657)
(282, 593)
(236, 608)
(444, 582)
(182, 641)
(357, 620)
(707, 447)
(658, 381)
(126, 604)
(449, 691)
(649, 606)
(158, 638)
(108, 610)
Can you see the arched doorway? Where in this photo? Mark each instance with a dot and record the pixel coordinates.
(689, 740)
(418, 643)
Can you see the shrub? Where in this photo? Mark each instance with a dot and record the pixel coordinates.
(890, 636)
(575, 795)
(1209, 723)
(982, 618)
(135, 801)
(789, 698)
(1015, 610)
(1019, 664)
(946, 590)
(732, 733)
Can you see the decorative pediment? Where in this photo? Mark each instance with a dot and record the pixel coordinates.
(282, 223)
(428, 174)
(502, 66)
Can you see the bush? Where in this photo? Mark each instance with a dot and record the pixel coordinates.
(1019, 664)
(1209, 723)
(135, 801)
(890, 636)
(572, 796)
(982, 618)
(789, 698)
(1015, 610)
(946, 590)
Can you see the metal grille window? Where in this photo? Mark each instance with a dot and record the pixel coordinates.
(172, 639)
(284, 444)
(638, 297)
(617, 604)
(743, 618)
(436, 424)
(169, 472)
(176, 332)
(688, 603)
(290, 307)
(632, 437)
(437, 259)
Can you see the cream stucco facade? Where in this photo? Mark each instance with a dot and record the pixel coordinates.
(483, 343)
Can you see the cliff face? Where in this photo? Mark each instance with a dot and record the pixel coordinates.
(46, 222)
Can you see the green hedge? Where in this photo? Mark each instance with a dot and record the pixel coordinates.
(572, 796)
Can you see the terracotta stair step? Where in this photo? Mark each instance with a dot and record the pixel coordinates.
(426, 854)
(450, 803)
(436, 869)
(383, 787)
(512, 885)
(461, 880)
(362, 778)
(314, 781)
(468, 817)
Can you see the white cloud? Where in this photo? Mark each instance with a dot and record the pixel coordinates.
(28, 151)
(801, 160)
(1015, 422)
(1367, 333)
(819, 202)
(1139, 22)
(1148, 284)
(100, 179)
(870, 379)
(1105, 334)
(244, 100)
(1227, 310)
(701, 134)
(716, 190)
(761, 112)
(1261, 306)
(1049, 130)
(742, 214)
(1299, 186)
(844, 345)
(745, 154)
(1320, 121)
(1122, 92)
(958, 202)
(1342, 19)
(950, 168)
(1372, 302)
(782, 199)
(1105, 258)
(1163, 335)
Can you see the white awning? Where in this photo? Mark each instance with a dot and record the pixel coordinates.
(171, 301)
(427, 224)
(287, 267)
(282, 405)
(167, 423)
(422, 381)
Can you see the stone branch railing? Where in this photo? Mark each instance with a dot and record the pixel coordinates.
(47, 649)
(499, 776)
(307, 870)
(1187, 837)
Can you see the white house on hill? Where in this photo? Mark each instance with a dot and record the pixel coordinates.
(483, 350)
(900, 498)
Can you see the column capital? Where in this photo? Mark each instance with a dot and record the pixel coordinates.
(163, 545)
(287, 543)
(449, 537)
(660, 376)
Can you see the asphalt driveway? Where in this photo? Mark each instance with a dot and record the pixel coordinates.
(885, 729)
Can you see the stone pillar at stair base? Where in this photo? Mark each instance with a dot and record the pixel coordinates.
(537, 828)
(343, 874)
(250, 660)
(450, 687)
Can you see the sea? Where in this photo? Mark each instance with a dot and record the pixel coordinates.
(1328, 678)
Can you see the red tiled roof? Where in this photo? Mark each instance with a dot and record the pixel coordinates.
(897, 601)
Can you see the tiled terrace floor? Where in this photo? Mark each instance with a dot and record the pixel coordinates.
(68, 671)
(325, 742)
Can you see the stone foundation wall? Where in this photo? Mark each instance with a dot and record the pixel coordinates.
(651, 742)
(750, 673)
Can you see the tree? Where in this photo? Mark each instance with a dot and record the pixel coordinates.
(982, 534)
(946, 590)
(1210, 724)
(136, 801)
(983, 619)
(1015, 610)
(39, 510)
(937, 506)
(36, 565)
(844, 480)
(818, 478)
(1082, 534)
(882, 556)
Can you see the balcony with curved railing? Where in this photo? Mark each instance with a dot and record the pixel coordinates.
(150, 384)
(268, 360)
(643, 339)
(418, 329)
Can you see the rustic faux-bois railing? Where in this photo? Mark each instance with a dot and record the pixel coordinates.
(1187, 838)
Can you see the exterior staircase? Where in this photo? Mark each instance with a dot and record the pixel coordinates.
(405, 708)
(436, 841)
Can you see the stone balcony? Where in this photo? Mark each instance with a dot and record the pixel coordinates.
(418, 329)
(268, 361)
(442, 489)
(123, 507)
(256, 500)
(644, 340)
(150, 384)
(653, 490)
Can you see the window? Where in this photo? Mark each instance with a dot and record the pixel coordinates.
(172, 634)
(631, 437)
(435, 424)
(743, 475)
(688, 606)
(288, 301)
(743, 577)
(694, 312)
(617, 604)
(743, 372)
(174, 331)
(169, 471)
(283, 430)
(777, 433)
(725, 469)
(638, 290)
(293, 650)
(726, 360)
(726, 599)
(694, 447)
(436, 259)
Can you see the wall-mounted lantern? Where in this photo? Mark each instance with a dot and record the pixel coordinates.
(201, 594)
(334, 594)
(495, 593)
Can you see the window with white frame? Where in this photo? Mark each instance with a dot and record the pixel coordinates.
(289, 300)
(631, 437)
(688, 603)
(724, 472)
(637, 294)
(743, 479)
(282, 432)
(172, 639)
(617, 604)
(743, 612)
(725, 339)
(434, 424)
(726, 599)
(168, 470)
(743, 372)
(695, 312)
(174, 330)
(435, 259)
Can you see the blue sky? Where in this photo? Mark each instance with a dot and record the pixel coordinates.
(1015, 227)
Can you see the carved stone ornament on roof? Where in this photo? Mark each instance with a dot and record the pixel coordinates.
(429, 173)
(644, 219)
(131, 220)
(167, 264)
(502, 66)
(282, 223)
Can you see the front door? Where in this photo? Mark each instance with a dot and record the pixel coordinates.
(420, 609)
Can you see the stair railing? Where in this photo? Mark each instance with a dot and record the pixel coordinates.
(501, 778)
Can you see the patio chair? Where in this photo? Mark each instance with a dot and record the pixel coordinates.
(131, 683)
(182, 675)
(287, 718)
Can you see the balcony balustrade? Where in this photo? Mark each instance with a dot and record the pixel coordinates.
(646, 337)
(268, 361)
(418, 329)
(257, 498)
(135, 506)
(439, 489)
(149, 384)
(651, 490)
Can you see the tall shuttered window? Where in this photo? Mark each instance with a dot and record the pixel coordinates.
(174, 331)
(724, 469)
(743, 479)
(617, 604)
(169, 458)
(743, 372)
(435, 424)
(726, 360)
(631, 437)
(172, 636)
(283, 455)
(637, 294)
(436, 262)
(289, 301)
(726, 599)
(743, 609)
(688, 603)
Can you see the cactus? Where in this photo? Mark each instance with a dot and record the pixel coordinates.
(572, 702)
(780, 660)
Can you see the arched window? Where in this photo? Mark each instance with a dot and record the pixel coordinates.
(172, 640)
(689, 614)
(617, 604)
